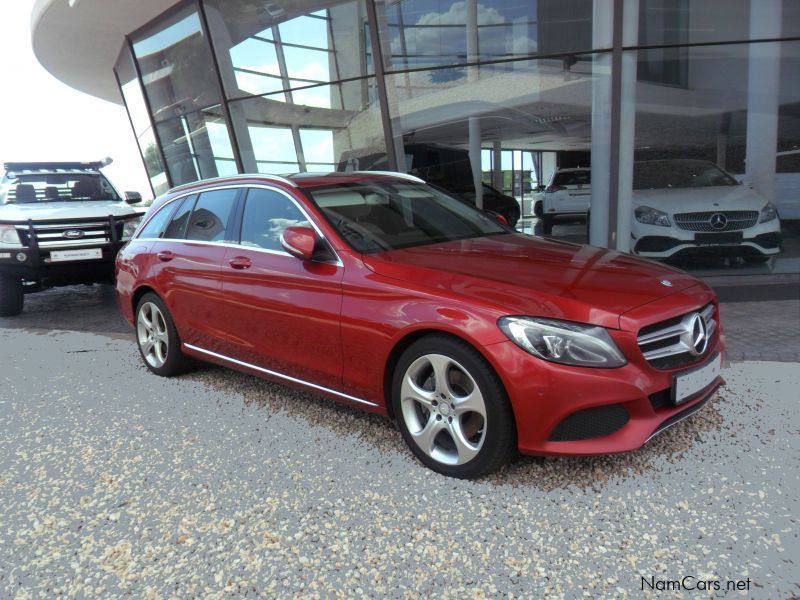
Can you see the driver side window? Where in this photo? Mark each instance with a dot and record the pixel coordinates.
(266, 215)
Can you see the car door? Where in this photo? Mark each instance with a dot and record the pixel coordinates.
(187, 263)
(577, 192)
(282, 313)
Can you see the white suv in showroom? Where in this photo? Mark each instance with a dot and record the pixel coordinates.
(566, 196)
(684, 207)
(60, 224)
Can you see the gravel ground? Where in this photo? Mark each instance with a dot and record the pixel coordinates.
(219, 484)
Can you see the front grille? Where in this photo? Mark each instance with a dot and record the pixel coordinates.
(51, 235)
(591, 423)
(732, 220)
(672, 343)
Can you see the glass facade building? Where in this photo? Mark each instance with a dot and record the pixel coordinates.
(477, 93)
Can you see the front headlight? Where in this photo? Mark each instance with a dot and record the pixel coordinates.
(9, 237)
(130, 228)
(652, 216)
(564, 342)
(768, 213)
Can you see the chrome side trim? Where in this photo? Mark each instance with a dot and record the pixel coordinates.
(689, 413)
(397, 174)
(280, 375)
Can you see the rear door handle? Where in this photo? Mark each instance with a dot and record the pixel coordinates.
(240, 262)
(165, 256)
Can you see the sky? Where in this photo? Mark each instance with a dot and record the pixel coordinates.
(43, 119)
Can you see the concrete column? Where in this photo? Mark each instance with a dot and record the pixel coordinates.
(602, 37)
(474, 122)
(763, 97)
(627, 124)
(497, 162)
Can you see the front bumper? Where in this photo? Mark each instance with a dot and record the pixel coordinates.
(625, 407)
(39, 267)
(763, 239)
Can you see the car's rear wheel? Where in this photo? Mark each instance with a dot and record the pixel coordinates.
(452, 408)
(157, 338)
(547, 224)
(12, 296)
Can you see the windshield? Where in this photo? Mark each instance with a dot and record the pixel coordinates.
(572, 178)
(56, 187)
(665, 174)
(379, 216)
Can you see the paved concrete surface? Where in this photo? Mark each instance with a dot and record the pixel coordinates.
(114, 482)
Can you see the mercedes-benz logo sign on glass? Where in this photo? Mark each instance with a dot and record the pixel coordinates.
(718, 221)
(698, 330)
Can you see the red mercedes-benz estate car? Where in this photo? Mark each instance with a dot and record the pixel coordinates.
(387, 294)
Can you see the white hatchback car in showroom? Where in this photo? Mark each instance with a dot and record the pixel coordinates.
(687, 207)
(567, 195)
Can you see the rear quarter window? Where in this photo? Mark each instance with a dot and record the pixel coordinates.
(155, 226)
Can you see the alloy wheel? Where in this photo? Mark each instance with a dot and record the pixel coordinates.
(151, 330)
(443, 409)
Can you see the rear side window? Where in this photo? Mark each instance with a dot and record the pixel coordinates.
(266, 215)
(177, 227)
(209, 221)
(155, 226)
(573, 178)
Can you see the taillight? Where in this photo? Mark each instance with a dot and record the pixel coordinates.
(552, 188)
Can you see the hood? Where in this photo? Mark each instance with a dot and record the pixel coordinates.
(48, 211)
(521, 275)
(702, 199)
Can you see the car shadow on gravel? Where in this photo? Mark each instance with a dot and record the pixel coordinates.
(545, 474)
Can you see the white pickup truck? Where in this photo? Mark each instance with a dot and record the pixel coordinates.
(60, 224)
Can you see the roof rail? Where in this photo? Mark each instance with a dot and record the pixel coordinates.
(49, 166)
(407, 176)
(239, 177)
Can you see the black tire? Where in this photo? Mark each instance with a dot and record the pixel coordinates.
(547, 224)
(176, 362)
(757, 259)
(12, 296)
(497, 432)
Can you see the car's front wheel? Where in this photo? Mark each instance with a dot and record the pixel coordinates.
(158, 339)
(452, 409)
(12, 296)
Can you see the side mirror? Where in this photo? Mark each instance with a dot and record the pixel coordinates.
(299, 242)
(133, 197)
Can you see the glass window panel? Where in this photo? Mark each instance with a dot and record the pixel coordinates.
(699, 21)
(209, 219)
(312, 49)
(306, 31)
(175, 61)
(193, 143)
(317, 145)
(337, 125)
(733, 98)
(177, 227)
(155, 226)
(417, 33)
(131, 91)
(266, 215)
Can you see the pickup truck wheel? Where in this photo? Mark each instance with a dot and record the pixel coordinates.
(547, 224)
(157, 338)
(12, 296)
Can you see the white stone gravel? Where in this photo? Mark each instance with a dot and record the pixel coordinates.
(116, 483)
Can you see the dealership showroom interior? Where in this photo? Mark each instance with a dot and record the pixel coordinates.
(597, 381)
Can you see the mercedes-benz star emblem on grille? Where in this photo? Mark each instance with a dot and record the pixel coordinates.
(666, 282)
(698, 335)
(74, 234)
(718, 221)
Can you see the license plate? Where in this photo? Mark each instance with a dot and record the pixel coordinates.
(689, 383)
(83, 254)
(718, 239)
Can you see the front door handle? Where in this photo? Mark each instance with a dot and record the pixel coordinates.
(240, 262)
(165, 256)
